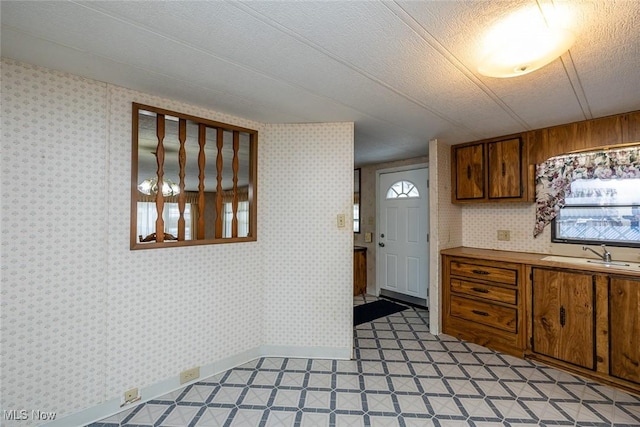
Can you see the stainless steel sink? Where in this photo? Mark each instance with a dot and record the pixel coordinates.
(616, 265)
(597, 261)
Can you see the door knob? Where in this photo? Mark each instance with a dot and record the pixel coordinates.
(381, 244)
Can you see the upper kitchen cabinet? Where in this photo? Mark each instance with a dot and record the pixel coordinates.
(468, 172)
(502, 169)
(584, 135)
(505, 169)
(489, 171)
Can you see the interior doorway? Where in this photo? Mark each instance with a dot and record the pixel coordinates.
(402, 234)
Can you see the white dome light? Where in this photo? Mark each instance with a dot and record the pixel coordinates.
(524, 42)
(526, 52)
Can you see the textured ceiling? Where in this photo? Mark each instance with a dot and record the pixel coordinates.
(404, 72)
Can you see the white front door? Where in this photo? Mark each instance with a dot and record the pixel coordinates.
(403, 232)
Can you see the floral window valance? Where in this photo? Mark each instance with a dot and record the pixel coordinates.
(554, 177)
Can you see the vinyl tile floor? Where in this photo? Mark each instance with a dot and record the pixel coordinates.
(402, 376)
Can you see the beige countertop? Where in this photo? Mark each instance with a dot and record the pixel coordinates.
(539, 260)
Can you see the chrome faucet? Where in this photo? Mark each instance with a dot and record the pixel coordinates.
(605, 256)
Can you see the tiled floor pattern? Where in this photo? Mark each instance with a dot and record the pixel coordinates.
(402, 376)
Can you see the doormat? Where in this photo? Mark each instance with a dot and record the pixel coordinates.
(375, 310)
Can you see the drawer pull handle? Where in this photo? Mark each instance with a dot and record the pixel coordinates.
(480, 313)
(469, 172)
(482, 291)
(563, 316)
(482, 272)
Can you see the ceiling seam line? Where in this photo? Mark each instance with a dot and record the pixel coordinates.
(188, 82)
(353, 67)
(244, 67)
(453, 60)
(571, 72)
(576, 85)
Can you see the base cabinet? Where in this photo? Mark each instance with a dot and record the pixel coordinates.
(582, 320)
(624, 336)
(586, 323)
(563, 316)
(359, 270)
(482, 303)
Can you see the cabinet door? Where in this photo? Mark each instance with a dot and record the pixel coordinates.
(469, 163)
(505, 169)
(624, 325)
(359, 272)
(563, 316)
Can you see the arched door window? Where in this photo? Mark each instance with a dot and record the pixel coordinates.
(403, 190)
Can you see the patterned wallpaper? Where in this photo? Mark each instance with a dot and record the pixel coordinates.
(308, 274)
(54, 239)
(84, 318)
(162, 317)
(482, 222)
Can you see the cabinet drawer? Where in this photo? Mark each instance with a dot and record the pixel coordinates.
(493, 293)
(484, 272)
(504, 318)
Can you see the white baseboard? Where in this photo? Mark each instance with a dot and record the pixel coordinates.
(112, 407)
(306, 352)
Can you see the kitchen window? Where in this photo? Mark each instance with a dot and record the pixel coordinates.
(600, 211)
(590, 197)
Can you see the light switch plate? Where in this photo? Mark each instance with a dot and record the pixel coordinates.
(368, 237)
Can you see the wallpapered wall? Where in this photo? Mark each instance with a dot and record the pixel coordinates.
(84, 318)
(480, 225)
(308, 279)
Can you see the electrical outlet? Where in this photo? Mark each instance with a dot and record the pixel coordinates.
(504, 235)
(189, 375)
(341, 220)
(130, 395)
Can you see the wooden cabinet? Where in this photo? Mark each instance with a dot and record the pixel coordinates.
(587, 323)
(482, 303)
(359, 270)
(582, 319)
(505, 169)
(594, 133)
(624, 321)
(631, 127)
(563, 316)
(469, 166)
(501, 169)
(489, 171)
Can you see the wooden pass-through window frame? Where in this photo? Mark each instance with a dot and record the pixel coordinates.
(214, 170)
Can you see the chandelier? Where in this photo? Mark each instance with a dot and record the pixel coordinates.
(150, 187)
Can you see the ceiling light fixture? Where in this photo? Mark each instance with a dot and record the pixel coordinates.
(523, 43)
(150, 187)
